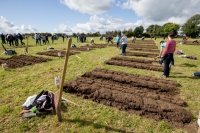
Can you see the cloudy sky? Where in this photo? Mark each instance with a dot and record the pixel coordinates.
(68, 16)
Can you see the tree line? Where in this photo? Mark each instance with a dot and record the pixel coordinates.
(190, 28)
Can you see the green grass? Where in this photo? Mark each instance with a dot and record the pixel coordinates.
(17, 84)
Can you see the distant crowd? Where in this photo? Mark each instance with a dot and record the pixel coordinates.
(44, 39)
(16, 39)
(12, 39)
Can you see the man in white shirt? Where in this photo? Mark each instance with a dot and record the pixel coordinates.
(124, 44)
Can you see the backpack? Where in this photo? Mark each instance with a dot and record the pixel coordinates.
(47, 102)
(197, 74)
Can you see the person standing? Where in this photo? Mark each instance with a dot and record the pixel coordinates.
(10, 38)
(63, 37)
(124, 44)
(77, 38)
(162, 47)
(168, 54)
(92, 41)
(7, 38)
(118, 40)
(36, 39)
(52, 38)
(21, 38)
(3, 39)
(47, 38)
(16, 39)
(133, 39)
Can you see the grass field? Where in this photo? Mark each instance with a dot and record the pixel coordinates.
(17, 84)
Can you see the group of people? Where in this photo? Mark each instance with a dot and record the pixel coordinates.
(12, 39)
(81, 38)
(41, 38)
(166, 51)
(123, 40)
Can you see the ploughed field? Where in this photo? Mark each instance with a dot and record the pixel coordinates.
(22, 60)
(144, 96)
(135, 63)
(55, 53)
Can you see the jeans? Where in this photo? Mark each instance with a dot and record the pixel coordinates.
(117, 44)
(163, 59)
(168, 59)
(124, 49)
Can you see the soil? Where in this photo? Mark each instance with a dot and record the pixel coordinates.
(55, 53)
(142, 42)
(134, 63)
(22, 60)
(145, 50)
(139, 60)
(101, 45)
(95, 46)
(141, 54)
(143, 46)
(148, 97)
(83, 49)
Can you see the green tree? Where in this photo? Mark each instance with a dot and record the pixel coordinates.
(170, 27)
(192, 26)
(138, 31)
(153, 30)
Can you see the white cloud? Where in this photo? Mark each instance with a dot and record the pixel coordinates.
(8, 27)
(176, 11)
(100, 24)
(89, 6)
(63, 29)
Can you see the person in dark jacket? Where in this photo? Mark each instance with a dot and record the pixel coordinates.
(16, 39)
(3, 39)
(21, 38)
(10, 38)
(47, 39)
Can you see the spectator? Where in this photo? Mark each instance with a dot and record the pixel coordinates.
(133, 39)
(168, 54)
(143, 37)
(16, 39)
(37, 38)
(52, 38)
(162, 46)
(110, 38)
(47, 38)
(43, 39)
(77, 38)
(10, 38)
(185, 39)
(63, 37)
(3, 39)
(7, 38)
(21, 38)
(124, 44)
(92, 41)
(118, 40)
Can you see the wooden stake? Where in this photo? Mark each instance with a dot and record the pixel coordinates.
(70, 102)
(26, 47)
(58, 94)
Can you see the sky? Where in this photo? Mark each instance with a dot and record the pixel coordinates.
(84, 16)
